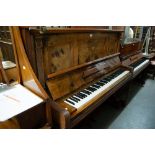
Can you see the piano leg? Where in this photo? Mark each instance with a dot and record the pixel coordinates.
(151, 69)
(61, 116)
(10, 124)
(141, 78)
(120, 98)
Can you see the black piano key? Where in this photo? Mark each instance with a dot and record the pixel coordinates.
(82, 94)
(95, 86)
(86, 92)
(79, 96)
(110, 77)
(92, 88)
(121, 71)
(107, 78)
(74, 99)
(137, 63)
(70, 102)
(99, 83)
(89, 89)
(104, 81)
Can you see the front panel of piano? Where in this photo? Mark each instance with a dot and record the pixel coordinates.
(76, 49)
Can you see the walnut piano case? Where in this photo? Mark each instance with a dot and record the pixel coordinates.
(79, 68)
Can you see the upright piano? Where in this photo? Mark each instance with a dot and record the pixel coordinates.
(131, 55)
(79, 67)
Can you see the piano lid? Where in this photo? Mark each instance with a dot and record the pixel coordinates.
(49, 30)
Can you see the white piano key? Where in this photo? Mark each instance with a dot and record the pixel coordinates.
(104, 88)
(77, 97)
(141, 65)
(88, 90)
(84, 93)
(71, 101)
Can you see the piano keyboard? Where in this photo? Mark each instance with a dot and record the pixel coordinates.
(102, 86)
(139, 64)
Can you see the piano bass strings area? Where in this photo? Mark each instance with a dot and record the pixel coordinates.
(79, 68)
